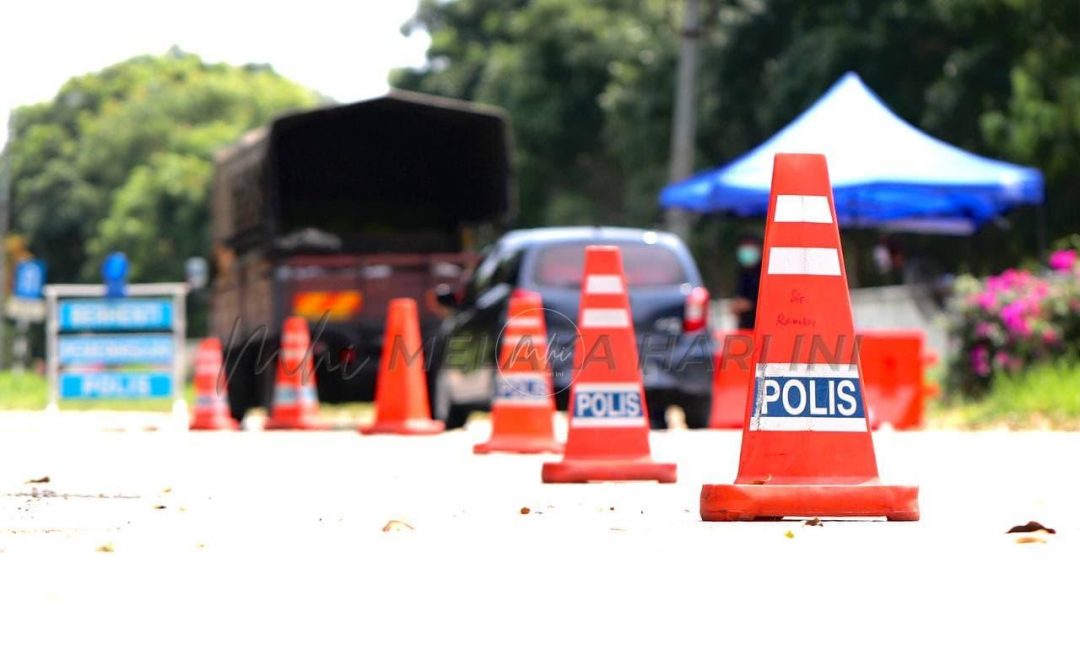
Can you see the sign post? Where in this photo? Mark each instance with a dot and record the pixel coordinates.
(25, 306)
(130, 347)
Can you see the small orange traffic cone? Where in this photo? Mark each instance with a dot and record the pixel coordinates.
(608, 438)
(296, 401)
(401, 399)
(806, 446)
(211, 395)
(523, 412)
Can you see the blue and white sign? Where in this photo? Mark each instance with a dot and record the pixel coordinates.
(607, 405)
(115, 349)
(29, 279)
(522, 389)
(116, 385)
(116, 314)
(808, 397)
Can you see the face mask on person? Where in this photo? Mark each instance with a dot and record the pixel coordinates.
(748, 255)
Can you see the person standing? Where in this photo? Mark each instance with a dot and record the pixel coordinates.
(747, 280)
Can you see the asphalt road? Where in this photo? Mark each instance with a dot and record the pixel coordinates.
(165, 542)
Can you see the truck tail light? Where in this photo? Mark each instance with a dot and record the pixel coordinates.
(696, 315)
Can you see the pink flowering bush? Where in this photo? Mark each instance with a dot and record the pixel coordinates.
(1009, 321)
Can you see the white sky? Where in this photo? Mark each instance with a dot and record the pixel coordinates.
(341, 48)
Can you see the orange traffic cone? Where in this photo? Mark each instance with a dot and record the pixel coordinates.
(523, 412)
(401, 399)
(608, 438)
(806, 446)
(211, 395)
(296, 401)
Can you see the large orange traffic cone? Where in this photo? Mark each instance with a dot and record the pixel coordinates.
(806, 446)
(608, 438)
(401, 398)
(523, 411)
(296, 401)
(211, 395)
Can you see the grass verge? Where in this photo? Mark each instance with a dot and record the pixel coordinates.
(1045, 397)
(30, 391)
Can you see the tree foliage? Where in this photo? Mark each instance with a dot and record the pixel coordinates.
(589, 86)
(121, 159)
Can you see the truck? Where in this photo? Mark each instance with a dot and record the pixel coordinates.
(330, 213)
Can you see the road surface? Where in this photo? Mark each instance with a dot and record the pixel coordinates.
(166, 542)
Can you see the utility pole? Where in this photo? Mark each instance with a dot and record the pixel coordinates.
(684, 123)
(5, 226)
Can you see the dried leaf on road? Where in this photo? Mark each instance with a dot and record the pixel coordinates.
(1031, 527)
(43, 479)
(525, 510)
(813, 521)
(789, 535)
(159, 507)
(106, 548)
(395, 526)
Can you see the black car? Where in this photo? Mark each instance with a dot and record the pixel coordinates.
(670, 308)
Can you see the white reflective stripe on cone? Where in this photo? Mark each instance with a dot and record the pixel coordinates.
(819, 424)
(818, 370)
(802, 209)
(603, 284)
(601, 318)
(523, 322)
(785, 260)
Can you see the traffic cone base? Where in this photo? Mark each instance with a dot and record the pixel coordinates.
(728, 503)
(216, 423)
(413, 426)
(584, 470)
(302, 424)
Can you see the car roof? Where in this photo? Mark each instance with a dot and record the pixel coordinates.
(527, 237)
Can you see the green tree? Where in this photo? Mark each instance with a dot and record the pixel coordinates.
(589, 88)
(576, 80)
(121, 159)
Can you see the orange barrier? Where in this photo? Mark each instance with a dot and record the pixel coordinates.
(401, 397)
(806, 446)
(893, 367)
(523, 410)
(608, 439)
(731, 378)
(296, 401)
(894, 364)
(211, 396)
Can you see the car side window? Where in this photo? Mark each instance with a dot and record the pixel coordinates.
(481, 279)
(508, 269)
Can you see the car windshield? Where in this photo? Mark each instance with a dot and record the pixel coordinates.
(645, 265)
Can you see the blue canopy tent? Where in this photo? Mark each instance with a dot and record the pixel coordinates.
(884, 171)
